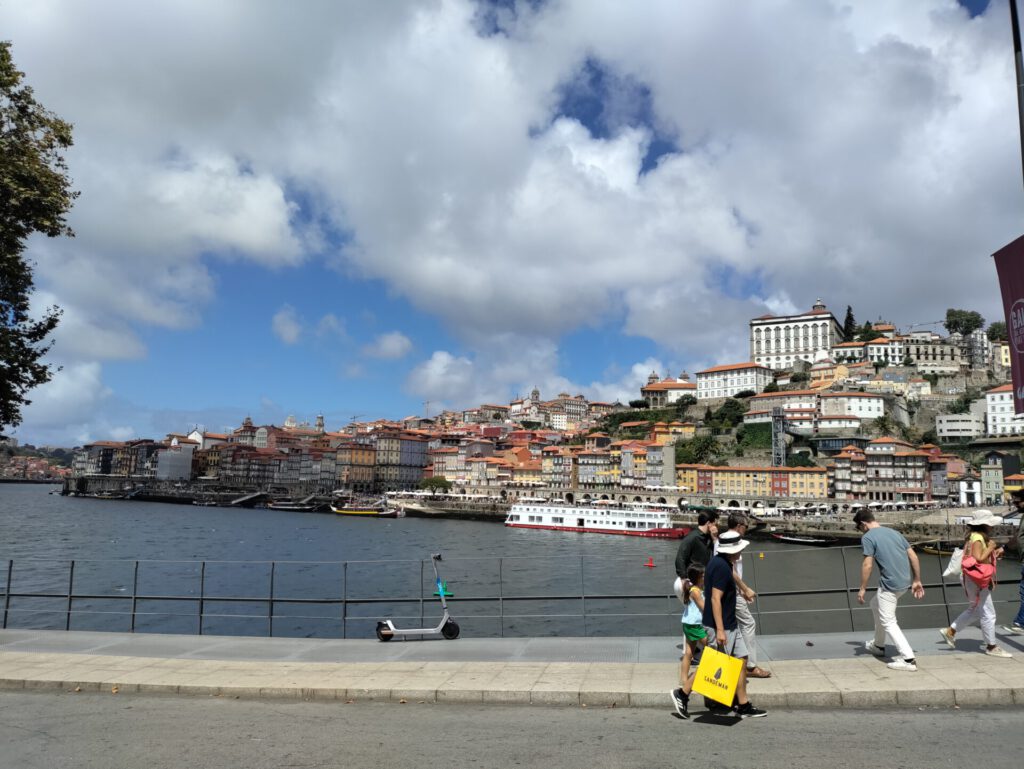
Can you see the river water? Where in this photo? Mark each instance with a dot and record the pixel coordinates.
(334, 576)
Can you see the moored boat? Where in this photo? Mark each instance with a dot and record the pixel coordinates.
(804, 539)
(636, 519)
(942, 547)
(294, 507)
(366, 508)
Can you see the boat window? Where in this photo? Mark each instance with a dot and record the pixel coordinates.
(556, 519)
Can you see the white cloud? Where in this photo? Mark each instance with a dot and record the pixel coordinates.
(389, 346)
(858, 153)
(286, 325)
(330, 325)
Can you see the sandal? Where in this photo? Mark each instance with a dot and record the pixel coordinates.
(757, 672)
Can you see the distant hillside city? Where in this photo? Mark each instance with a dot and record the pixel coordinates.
(822, 409)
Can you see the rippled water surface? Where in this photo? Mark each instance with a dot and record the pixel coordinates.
(334, 576)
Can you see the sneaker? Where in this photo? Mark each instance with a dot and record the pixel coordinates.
(681, 702)
(901, 664)
(1014, 628)
(869, 646)
(749, 711)
(995, 651)
(947, 637)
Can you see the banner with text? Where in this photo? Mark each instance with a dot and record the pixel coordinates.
(1010, 268)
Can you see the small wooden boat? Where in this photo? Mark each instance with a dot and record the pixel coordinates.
(804, 539)
(365, 508)
(943, 547)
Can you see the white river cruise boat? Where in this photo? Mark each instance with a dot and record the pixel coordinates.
(637, 519)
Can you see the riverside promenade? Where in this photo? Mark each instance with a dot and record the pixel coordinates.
(809, 671)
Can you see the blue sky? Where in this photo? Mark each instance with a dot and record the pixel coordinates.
(390, 209)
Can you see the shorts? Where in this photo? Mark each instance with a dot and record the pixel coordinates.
(694, 632)
(734, 644)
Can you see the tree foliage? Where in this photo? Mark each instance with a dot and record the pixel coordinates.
(639, 403)
(849, 325)
(771, 387)
(800, 376)
(997, 331)
(35, 197)
(963, 321)
(436, 483)
(799, 460)
(702, 450)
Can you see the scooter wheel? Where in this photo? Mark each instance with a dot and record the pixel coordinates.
(384, 632)
(450, 630)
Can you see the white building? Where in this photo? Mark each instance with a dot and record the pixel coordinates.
(959, 427)
(999, 416)
(780, 341)
(725, 381)
(861, 405)
(885, 350)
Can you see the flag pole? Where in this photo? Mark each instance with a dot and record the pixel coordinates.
(1018, 61)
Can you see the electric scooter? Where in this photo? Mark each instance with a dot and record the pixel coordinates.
(447, 627)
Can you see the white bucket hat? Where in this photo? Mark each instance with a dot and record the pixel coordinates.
(730, 542)
(985, 518)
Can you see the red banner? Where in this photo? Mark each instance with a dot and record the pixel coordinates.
(1010, 268)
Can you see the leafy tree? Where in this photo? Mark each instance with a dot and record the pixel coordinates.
(930, 436)
(640, 403)
(799, 460)
(963, 321)
(866, 333)
(729, 414)
(800, 376)
(35, 197)
(745, 394)
(997, 331)
(882, 425)
(683, 404)
(771, 387)
(437, 483)
(849, 325)
(529, 425)
(907, 361)
(702, 450)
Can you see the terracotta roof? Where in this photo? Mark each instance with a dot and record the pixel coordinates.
(670, 386)
(785, 394)
(1014, 477)
(732, 367)
(850, 395)
(1006, 388)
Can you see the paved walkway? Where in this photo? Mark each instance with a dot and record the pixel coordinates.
(829, 670)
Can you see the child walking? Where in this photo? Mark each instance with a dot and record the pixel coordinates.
(693, 633)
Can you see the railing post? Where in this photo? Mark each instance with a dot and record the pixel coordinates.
(71, 590)
(270, 608)
(421, 594)
(7, 594)
(344, 599)
(846, 579)
(202, 594)
(135, 593)
(583, 597)
(501, 601)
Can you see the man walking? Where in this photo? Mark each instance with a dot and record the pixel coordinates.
(696, 546)
(898, 570)
(1017, 626)
(744, 597)
(720, 619)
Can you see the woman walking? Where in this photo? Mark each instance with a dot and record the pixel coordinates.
(981, 553)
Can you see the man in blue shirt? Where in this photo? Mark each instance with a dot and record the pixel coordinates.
(720, 619)
(898, 571)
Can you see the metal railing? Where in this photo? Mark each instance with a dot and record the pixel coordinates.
(492, 597)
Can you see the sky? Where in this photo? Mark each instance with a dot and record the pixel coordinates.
(374, 210)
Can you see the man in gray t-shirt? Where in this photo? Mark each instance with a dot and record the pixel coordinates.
(898, 570)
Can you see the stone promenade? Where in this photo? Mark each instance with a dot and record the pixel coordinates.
(809, 671)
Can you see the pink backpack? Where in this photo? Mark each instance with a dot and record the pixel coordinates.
(980, 574)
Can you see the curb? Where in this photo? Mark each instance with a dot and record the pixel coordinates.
(854, 699)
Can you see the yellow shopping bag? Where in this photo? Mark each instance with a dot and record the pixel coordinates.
(717, 676)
